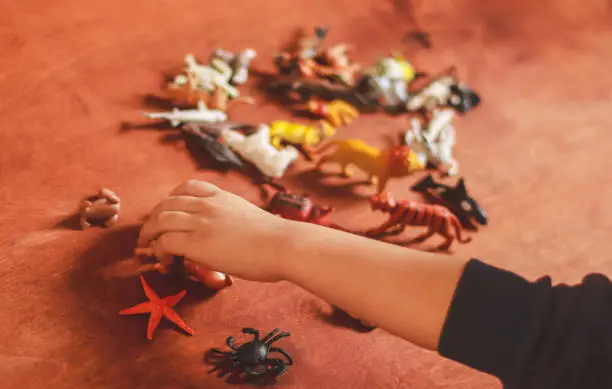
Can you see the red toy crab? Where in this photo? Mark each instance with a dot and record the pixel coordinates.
(300, 208)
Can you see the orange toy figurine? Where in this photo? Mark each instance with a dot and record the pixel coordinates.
(158, 308)
(379, 165)
(438, 219)
(338, 112)
(211, 279)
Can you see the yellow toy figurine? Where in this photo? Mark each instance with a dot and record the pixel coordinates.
(380, 165)
(299, 134)
(338, 112)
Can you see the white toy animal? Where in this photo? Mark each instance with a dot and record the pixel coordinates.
(257, 149)
(200, 115)
(435, 143)
(208, 77)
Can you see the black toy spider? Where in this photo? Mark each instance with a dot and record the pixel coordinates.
(252, 357)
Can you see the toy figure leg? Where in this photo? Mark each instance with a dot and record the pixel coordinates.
(323, 160)
(346, 172)
(423, 237)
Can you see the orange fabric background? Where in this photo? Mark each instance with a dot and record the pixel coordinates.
(535, 154)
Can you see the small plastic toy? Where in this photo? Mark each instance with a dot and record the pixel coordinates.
(101, 209)
(302, 61)
(380, 165)
(456, 198)
(218, 151)
(200, 115)
(438, 219)
(158, 308)
(257, 149)
(444, 90)
(184, 90)
(299, 134)
(180, 266)
(239, 63)
(252, 358)
(338, 66)
(434, 144)
(209, 77)
(391, 77)
(300, 208)
(338, 112)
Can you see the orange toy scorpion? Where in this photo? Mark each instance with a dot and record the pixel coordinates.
(438, 219)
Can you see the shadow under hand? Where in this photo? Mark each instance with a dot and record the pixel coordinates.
(103, 280)
(315, 181)
(339, 318)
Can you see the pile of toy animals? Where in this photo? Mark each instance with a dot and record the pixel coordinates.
(325, 82)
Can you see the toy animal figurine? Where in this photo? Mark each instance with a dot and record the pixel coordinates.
(379, 165)
(438, 219)
(180, 266)
(208, 77)
(338, 65)
(299, 134)
(391, 76)
(183, 89)
(303, 60)
(300, 208)
(445, 90)
(158, 308)
(101, 209)
(338, 112)
(456, 198)
(257, 149)
(200, 115)
(207, 140)
(252, 358)
(238, 62)
(434, 144)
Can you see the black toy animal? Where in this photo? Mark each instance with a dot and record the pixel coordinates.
(252, 358)
(454, 198)
(220, 153)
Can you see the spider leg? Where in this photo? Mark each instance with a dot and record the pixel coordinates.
(283, 352)
(271, 334)
(230, 343)
(253, 373)
(277, 337)
(251, 331)
(277, 364)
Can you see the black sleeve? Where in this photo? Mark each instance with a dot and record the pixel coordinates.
(531, 335)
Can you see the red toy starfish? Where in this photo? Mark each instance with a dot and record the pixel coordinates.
(158, 307)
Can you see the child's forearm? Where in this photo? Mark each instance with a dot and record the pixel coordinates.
(403, 291)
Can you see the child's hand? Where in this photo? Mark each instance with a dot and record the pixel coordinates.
(219, 230)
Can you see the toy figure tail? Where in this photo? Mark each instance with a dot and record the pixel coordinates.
(458, 232)
(421, 186)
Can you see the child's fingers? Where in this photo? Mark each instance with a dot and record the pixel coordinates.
(186, 204)
(169, 221)
(195, 188)
(171, 244)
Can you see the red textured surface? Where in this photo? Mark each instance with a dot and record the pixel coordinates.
(536, 155)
